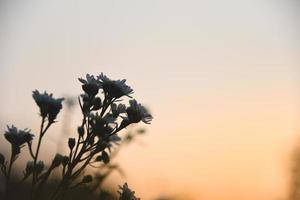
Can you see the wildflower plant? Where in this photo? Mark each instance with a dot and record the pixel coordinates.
(104, 116)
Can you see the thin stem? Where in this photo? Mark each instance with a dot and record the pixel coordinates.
(43, 181)
(73, 160)
(76, 149)
(82, 147)
(77, 173)
(104, 107)
(37, 151)
(35, 157)
(30, 150)
(12, 159)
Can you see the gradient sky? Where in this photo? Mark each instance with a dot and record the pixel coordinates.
(220, 77)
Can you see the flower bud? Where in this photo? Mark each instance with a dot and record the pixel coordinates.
(2, 159)
(80, 131)
(105, 157)
(39, 166)
(87, 179)
(57, 160)
(114, 110)
(121, 108)
(90, 89)
(29, 167)
(65, 160)
(71, 143)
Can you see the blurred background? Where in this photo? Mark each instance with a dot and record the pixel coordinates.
(221, 79)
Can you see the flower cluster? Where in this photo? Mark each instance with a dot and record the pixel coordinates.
(103, 117)
(30, 168)
(114, 88)
(49, 106)
(90, 85)
(17, 138)
(126, 193)
(105, 122)
(136, 113)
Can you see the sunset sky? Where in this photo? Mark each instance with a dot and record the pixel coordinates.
(221, 79)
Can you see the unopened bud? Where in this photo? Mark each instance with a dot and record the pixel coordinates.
(57, 160)
(65, 160)
(29, 167)
(39, 166)
(80, 131)
(71, 143)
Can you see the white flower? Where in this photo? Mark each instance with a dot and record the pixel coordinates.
(114, 88)
(101, 126)
(17, 138)
(90, 79)
(90, 85)
(49, 106)
(136, 113)
(118, 109)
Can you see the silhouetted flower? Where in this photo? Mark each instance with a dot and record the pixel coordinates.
(29, 167)
(97, 103)
(136, 113)
(118, 109)
(17, 137)
(126, 193)
(100, 126)
(71, 143)
(80, 131)
(104, 116)
(49, 106)
(90, 85)
(114, 88)
(65, 160)
(57, 160)
(39, 166)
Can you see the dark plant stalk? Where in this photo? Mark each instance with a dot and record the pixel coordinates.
(43, 180)
(35, 157)
(72, 163)
(7, 179)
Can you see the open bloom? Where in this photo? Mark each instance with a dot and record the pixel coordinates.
(49, 106)
(101, 125)
(118, 109)
(90, 85)
(126, 193)
(114, 88)
(136, 113)
(17, 138)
